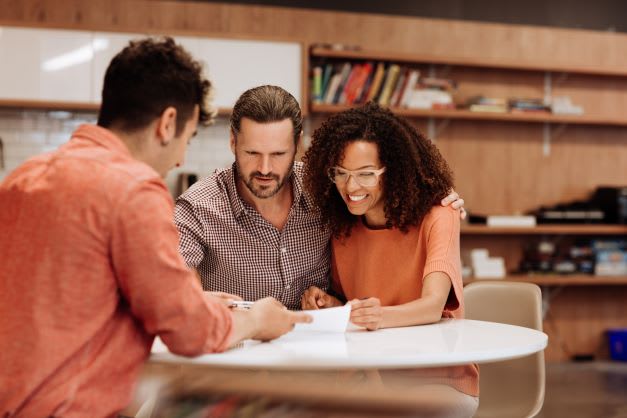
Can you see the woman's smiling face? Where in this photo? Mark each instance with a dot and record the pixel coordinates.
(361, 158)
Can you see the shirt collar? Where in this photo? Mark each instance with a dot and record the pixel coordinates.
(101, 136)
(108, 140)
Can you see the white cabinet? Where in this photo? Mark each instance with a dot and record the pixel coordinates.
(19, 64)
(108, 45)
(65, 66)
(46, 65)
(69, 66)
(237, 65)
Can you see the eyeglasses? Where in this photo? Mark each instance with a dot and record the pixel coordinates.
(365, 178)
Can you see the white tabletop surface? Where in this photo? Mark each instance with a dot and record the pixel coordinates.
(447, 343)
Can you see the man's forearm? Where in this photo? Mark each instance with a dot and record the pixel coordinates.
(244, 327)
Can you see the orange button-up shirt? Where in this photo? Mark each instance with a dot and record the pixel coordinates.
(89, 273)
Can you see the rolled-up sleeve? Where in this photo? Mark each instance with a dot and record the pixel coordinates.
(443, 253)
(191, 244)
(163, 294)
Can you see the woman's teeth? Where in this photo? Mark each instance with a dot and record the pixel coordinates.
(357, 198)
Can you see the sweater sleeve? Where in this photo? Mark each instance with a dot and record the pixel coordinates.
(163, 294)
(443, 254)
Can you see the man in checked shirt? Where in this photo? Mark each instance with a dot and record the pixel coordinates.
(251, 230)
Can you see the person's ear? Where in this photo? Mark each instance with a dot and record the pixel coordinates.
(232, 142)
(299, 141)
(166, 126)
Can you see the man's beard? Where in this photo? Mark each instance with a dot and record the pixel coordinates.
(264, 192)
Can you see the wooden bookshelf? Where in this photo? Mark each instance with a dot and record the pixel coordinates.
(486, 116)
(69, 106)
(546, 229)
(483, 62)
(565, 280)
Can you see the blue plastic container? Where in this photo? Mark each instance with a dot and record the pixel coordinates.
(618, 344)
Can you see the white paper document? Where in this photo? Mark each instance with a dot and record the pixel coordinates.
(327, 320)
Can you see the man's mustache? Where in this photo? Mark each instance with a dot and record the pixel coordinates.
(265, 176)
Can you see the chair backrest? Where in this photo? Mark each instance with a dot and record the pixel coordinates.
(513, 388)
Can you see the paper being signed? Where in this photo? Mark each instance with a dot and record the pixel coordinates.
(327, 320)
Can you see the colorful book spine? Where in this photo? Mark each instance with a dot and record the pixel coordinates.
(390, 82)
(344, 75)
(400, 85)
(377, 81)
(360, 80)
(316, 85)
(410, 86)
(336, 79)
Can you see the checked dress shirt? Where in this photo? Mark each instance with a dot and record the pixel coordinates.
(236, 250)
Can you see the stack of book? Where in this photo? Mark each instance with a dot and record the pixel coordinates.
(486, 267)
(611, 257)
(390, 85)
(564, 106)
(528, 105)
(515, 221)
(487, 104)
(432, 93)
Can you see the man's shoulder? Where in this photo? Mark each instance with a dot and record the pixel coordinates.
(209, 191)
(106, 170)
(299, 169)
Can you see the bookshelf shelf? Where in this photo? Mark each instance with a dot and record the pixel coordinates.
(487, 116)
(465, 62)
(67, 106)
(546, 229)
(567, 280)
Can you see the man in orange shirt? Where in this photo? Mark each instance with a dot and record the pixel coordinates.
(89, 267)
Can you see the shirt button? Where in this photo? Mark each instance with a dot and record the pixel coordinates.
(284, 250)
(287, 287)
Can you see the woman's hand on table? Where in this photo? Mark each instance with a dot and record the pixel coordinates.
(366, 313)
(316, 298)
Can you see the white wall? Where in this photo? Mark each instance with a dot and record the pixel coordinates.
(28, 133)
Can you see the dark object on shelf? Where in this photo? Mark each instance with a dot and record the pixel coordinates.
(475, 219)
(579, 212)
(185, 181)
(583, 357)
(547, 257)
(613, 202)
(607, 205)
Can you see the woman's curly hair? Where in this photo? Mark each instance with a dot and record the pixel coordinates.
(416, 176)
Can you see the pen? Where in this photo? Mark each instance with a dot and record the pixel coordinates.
(241, 304)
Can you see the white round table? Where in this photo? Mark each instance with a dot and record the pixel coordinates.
(446, 343)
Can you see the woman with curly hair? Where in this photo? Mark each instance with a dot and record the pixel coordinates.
(395, 250)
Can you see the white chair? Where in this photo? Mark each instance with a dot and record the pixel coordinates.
(513, 388)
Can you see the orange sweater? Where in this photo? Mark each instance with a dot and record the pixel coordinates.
(391, 265)
(89, 273)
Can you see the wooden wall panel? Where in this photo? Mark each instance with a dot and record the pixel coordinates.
(502, 169)
(576, 322)
(402, 34)
(599, 96)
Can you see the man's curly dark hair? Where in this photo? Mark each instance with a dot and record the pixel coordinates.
(416, 176)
